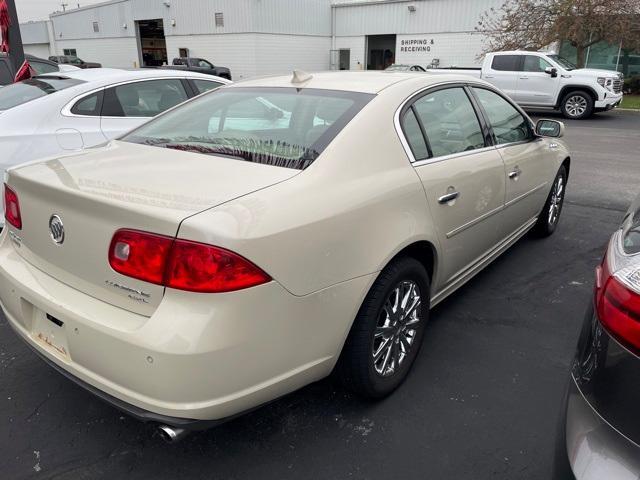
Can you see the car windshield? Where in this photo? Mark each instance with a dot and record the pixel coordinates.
(75, 60)
(286, 127)
(563, 62)
(36, 87)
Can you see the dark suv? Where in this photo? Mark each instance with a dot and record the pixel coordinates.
(75, 61)
(200, 65)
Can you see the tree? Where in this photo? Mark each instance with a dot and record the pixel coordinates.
(535, 24)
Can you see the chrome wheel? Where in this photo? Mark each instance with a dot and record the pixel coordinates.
(576, 106)
(397, 328)
(557, 196)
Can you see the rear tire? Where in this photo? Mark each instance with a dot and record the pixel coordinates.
(550, 215)
(387, 333)
(577, 105)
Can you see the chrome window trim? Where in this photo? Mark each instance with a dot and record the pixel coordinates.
(66, 110)
(397, 121)
(444, 158)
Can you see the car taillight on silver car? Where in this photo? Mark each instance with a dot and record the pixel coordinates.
(617, 290)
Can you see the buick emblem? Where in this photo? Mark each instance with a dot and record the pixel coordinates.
(56, 229)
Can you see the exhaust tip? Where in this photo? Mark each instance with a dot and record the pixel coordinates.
(172, 434)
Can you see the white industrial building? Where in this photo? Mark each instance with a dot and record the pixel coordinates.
(262, 37)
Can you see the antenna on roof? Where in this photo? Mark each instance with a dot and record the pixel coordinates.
(300, 77)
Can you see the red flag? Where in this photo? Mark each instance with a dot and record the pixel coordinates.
(5, 21)
(25, 72)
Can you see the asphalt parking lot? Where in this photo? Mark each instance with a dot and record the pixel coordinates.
(482, 400)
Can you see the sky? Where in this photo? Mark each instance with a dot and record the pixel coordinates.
(40, 9)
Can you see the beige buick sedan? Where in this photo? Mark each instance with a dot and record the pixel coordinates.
(259, 237)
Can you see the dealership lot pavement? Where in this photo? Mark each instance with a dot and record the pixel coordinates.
(482, 400)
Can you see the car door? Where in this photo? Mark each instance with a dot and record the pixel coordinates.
(79, 124)
(462, 174)
(528, 159)
(127, 106)
(503, 72)
(535, 86)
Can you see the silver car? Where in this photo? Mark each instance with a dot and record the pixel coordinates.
(600, 433)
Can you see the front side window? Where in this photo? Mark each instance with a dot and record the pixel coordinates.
(506, 63)
(508, 124)
(284, 127)
(204, 64)
(533, 63)
(143, 99)
(32, 89)
(450, 122)
(205, 85)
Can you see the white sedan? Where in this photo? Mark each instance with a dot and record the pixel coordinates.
(62, 112)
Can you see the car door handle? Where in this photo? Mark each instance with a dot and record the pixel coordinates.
(515, 173)
(524, 78)
(489, 76)
(448, 197)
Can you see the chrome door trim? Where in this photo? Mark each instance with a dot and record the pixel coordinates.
(462, 277)
(525, 194)
(475, 221)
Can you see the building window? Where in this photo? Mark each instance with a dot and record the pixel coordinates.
(219, 19)
(70, 52)
(96, 27)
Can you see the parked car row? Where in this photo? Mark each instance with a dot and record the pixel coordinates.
(262, 225)
(147, 260)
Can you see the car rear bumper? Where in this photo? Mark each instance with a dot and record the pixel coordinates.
(595, 449)
(198, 357)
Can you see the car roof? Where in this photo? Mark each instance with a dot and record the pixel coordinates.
(107, 76)
(353, 81)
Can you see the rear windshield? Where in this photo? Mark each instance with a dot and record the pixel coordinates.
(285, 127)
(28, 90)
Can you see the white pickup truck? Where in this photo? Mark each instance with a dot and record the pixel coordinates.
(539, 80)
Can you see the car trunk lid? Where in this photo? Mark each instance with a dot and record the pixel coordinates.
(120, 186)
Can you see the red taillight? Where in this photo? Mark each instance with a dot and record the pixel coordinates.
(181, 264)
(618, 308)
(12, 207)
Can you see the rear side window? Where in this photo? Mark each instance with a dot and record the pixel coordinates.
(88, 105)
(205, 85)
(28, 90)
(284, 127)
(506, 63)
(450, 122)
(414, 135)
(5, 75)
(508, 124)
(143, 99)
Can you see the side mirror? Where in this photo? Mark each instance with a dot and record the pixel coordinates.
(551, 71)
(549, 128)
